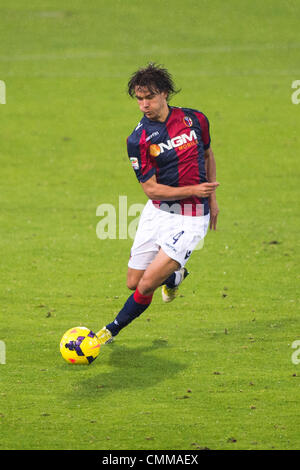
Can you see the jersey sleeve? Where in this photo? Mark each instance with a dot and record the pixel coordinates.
(204, 124)
(139, 159)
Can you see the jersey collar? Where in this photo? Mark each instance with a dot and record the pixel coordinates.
(160, 122)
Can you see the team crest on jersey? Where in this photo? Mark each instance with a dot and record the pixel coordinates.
(187, 121)
(134, 163)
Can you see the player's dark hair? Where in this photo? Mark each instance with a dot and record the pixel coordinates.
(155, 77)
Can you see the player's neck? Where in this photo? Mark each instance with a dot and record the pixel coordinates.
(164, 113)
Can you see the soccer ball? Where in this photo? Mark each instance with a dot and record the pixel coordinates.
(79, 345)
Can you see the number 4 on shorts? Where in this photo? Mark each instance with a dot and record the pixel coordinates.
(177, 236)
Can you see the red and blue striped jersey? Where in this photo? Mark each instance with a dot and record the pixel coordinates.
(173, 151)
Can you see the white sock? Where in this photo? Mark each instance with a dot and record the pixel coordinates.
(178, 278)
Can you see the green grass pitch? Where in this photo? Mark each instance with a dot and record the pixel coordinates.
(213, 369)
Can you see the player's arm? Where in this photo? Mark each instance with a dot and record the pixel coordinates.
(211, 175)
(157, 191)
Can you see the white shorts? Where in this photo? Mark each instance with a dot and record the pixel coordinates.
(176, 234)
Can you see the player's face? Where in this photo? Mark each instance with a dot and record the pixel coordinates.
(153, 105)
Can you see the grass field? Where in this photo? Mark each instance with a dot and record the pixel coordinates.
(213, 369)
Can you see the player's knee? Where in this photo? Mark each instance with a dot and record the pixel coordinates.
(133, 278)
(131, 284)
(132, 281)
(146, 286)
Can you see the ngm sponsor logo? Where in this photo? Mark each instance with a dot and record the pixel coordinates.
(181, 142)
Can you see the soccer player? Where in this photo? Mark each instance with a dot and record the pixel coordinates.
(171, 155)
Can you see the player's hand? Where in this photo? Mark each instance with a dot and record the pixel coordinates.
(214, 211)
(205, 189)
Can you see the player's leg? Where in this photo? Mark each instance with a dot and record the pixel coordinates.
(170, 284)
(133, 277)
(159, 270)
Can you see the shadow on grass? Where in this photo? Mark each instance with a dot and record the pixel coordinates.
(131, 369)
